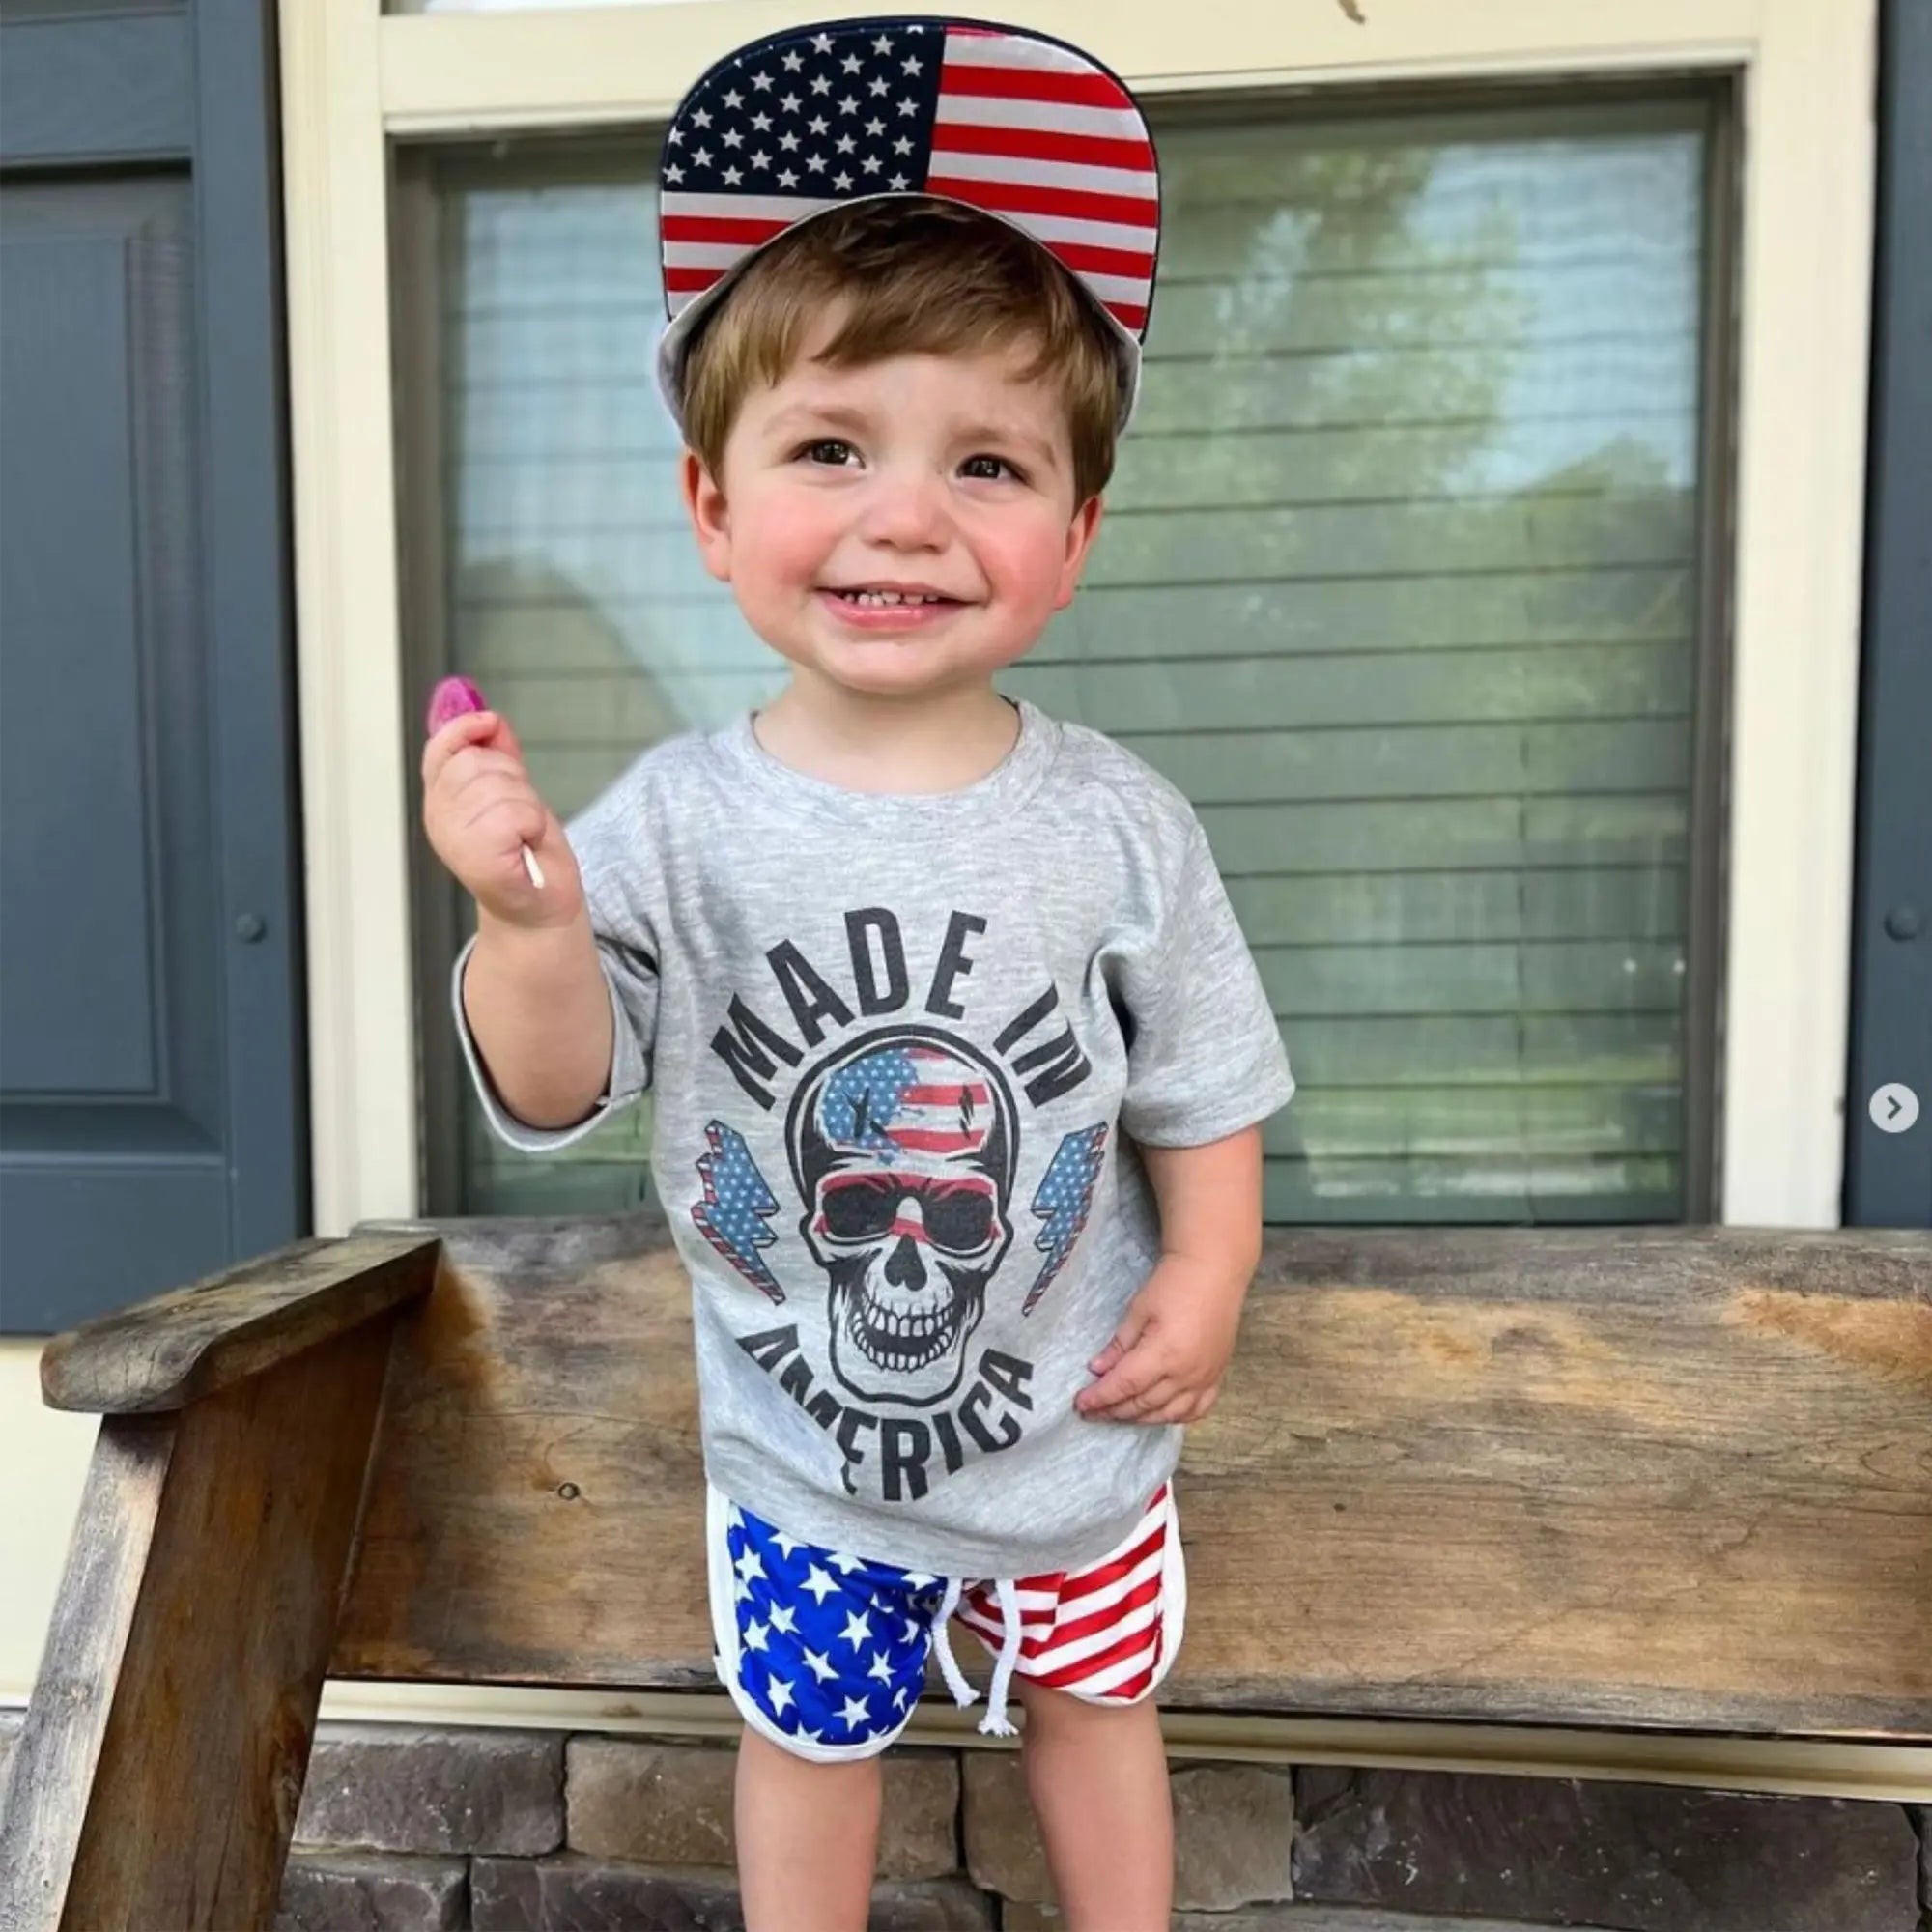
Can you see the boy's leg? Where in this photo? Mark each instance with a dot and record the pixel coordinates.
(1097, 1777)
(807, 1837)
(824, 1655)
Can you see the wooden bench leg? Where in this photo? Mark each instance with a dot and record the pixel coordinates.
(154, 1784)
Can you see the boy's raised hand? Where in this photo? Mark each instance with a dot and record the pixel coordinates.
(481, 811)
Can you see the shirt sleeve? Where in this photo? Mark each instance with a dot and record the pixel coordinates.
(1204, 1052)
(606, 839)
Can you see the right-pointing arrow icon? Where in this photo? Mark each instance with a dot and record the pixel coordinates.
(1893, 1107)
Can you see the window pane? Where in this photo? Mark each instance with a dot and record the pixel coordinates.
(1398, 581)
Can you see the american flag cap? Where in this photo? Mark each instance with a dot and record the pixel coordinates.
(1022, 127)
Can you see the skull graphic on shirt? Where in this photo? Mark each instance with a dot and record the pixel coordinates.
(903, 1147)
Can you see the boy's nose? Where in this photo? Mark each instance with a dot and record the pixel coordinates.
(906, 512)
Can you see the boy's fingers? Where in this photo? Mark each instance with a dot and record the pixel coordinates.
(551, 845)
(1132, 1325)
(1142, 1404)
(489, 729)
(479, 762)
(506, 739)
(473, 727)
(524, 816)
(1181, 1408)
(1131, 1376)
(1152, 1402)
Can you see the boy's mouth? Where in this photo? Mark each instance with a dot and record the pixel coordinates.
(876, 609)
(873, 597)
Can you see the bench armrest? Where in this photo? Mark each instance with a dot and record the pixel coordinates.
(176, 1349)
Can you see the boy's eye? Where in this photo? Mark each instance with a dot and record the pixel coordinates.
(998, 463)
(816, 452)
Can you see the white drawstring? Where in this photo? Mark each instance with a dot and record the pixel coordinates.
(995, 1723)
(949, 1665)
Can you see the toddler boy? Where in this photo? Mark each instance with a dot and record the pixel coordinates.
(959, 1058)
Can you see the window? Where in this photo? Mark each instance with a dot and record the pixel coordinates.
(1401, 583)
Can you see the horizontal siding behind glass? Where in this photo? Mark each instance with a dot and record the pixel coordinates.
(1398, 581)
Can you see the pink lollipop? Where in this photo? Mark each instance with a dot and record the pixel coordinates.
(456, 697)
(453, 697)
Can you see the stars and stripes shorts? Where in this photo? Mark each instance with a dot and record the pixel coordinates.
(825, 1653)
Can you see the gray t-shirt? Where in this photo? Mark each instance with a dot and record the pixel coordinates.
(901, 1047)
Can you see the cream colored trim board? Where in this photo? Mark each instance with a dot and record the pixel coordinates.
(356, 829)
(474, 73)
(1803, 330)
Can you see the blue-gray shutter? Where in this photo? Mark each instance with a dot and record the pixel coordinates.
(1889, 1175)
(150, 1093)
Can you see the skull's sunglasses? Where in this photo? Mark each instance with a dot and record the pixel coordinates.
(957, 1217)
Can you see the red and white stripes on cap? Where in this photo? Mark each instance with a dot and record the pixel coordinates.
(1036, 134)
(1013, 123)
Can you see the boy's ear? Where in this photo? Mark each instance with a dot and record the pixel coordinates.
(710, 522)
(1080, 535)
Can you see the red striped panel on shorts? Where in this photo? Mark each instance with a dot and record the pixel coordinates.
(1100, 1629)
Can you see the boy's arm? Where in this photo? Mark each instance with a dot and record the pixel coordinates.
(1166, 1358)
(534, 995)
(539, 1011)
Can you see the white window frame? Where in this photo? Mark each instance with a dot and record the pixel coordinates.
(354, 80)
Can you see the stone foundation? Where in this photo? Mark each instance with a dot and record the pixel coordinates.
(405, 1828)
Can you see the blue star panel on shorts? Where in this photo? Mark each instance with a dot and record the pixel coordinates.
(831, 1649)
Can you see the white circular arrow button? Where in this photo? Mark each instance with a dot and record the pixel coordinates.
(1894, 1108)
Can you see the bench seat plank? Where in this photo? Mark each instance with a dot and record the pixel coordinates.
(1663, 1476)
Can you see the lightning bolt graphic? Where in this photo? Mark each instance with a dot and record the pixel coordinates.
(1065, 1195)
(736, 1206)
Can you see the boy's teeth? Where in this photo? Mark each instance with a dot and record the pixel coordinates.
(886, 597)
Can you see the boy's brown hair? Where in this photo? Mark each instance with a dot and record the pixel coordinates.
(919, 277)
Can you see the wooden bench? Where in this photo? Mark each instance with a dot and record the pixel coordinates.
(1673, 1478)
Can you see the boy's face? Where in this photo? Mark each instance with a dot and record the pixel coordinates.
(937, 474)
